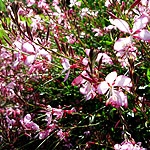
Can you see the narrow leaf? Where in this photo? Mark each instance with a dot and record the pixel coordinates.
(7, 40)
(57, 43)
(29, 31)
(47, 34)
(148, 74)
(100, 62)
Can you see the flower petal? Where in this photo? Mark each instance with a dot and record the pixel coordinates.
(29, 60)
(140, 23)
(122, 43)
(28, 48)
(65, 64)
(118, 99)
(121, 25)
(77, 81)
(87, 51)
(43, 134)
(85, 89)
(102, 87)
(67, 75)
(110, 78)
(105, 59)
(27, 118)
(123, 81)
(144, 35)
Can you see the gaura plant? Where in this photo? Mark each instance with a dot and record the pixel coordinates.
(75, 74)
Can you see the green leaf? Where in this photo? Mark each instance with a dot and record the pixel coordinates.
(2, 6)
(106, 42)
(143, 68)
(148, 74)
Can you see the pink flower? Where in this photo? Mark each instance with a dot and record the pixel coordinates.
(137, 30)
(105, 58)
(125, 50)
(10, 122)
(125, 46)
(42, 4)
(30, 53)
(128, 145)
(115, 97)
(44, 134)
(79, 80)
(109, 2)
(87, 88)
(30, 2)
(71, 39)
(98, 32)
(143, 8)
(55, 2)
(57, 112)
(28, 124)
(123, 43)
(62, 135)
(75, 2)
(66, 65)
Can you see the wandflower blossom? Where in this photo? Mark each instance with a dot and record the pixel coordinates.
(28, 124)
(88, 87)
(136, 32)
(115, 96)
(128, 145)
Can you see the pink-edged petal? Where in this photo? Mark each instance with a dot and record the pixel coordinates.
(91, 94)
(117, 146)
(87, 51)
(102, 87)
(144, 35)
(122, 43)
(85, 61)
(83, 90)
(86, 88)
(111, 77)
(29, 60)
(45, 54)
(65, 64)
(121, 25)
(28, 48)
(118, 99)
(78, 3)
(120, 53)
(105, 59)
(122, 81)
(148, 4)
(144, 2)
(67, 75)
(99, 57)
(17, 44)
(27, 118)
(140, 23)
(124, 99)
(31, 125)
(43, 134)
(78, 80)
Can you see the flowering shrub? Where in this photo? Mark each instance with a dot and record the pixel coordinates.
(75, 74)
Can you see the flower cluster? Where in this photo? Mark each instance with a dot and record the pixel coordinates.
(91, 58)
